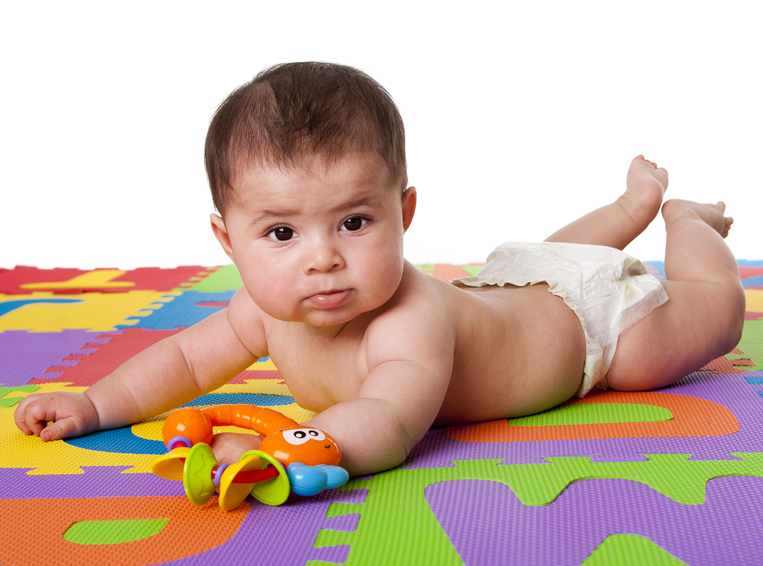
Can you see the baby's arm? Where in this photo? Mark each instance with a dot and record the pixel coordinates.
(410, 361)
(165, 375)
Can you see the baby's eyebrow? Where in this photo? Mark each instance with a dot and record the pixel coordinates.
(357, 203)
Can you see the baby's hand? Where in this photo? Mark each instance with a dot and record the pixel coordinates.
(72, 414)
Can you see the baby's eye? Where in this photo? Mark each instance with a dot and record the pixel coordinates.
(354, 223)
(281, 233)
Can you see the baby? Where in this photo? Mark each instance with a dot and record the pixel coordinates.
(308, 172)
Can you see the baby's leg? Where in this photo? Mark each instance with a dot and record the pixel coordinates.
(704, 316)
(617, 224)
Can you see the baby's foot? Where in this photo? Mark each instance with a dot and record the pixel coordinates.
(711, 214)
(646, 186)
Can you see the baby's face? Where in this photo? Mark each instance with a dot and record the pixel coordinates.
(319, 245)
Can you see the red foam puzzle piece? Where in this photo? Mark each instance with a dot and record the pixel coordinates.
(747, 272)
(107, 357)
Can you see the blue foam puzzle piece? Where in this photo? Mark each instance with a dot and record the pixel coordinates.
(9, 306)
(182, 311)
(123, 441)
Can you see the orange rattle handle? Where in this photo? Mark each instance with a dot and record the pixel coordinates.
(196, 425)
(261, 420)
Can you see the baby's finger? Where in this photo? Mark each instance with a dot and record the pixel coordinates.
(59, 429)
(36, 417)
(18, 416)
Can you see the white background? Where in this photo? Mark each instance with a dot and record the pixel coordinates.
(520, 116)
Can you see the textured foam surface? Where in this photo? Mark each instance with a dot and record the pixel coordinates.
(667, 477)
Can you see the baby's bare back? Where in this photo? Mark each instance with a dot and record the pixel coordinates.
(518, 350)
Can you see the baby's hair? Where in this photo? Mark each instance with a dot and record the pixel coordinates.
(294, 111)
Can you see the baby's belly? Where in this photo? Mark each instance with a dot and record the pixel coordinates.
(523, 352)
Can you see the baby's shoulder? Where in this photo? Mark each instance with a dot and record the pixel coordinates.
(246, 319)
(419, 312)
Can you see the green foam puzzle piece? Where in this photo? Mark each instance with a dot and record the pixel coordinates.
(752, 343)
(397, 523)
(472, 269)
(630, 550)
(226, 278)
(113, 532)
(596, 413)
(11, 401)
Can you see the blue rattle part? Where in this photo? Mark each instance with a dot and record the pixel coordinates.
(312, 480)
(336, 476)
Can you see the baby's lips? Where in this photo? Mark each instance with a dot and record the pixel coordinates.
(329, 299)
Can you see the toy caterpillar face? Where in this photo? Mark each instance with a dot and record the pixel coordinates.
(298, 436)
(309, 446)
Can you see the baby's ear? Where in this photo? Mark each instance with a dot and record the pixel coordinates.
(221, 233)
(409, 206)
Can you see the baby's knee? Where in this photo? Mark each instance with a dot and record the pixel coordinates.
(721, 326)
(734, 305)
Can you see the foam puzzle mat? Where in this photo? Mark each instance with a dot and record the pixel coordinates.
(665, 477)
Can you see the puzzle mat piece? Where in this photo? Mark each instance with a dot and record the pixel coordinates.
(752, 343)
(98, 312)
(488, 525)
(754, 307)
(734, 393)
(95, 481)
(187, 532)
(114, 531)
(97, 360)
(112, 448)
(734, 362)
(14, 304)
(25, 280)
(751, 272)
(630, 550)
(26, 355)
(686, 416)
(225, 278)
(185, 310)
(8, 400)
(100, 357)
(397, 525)
(263, 368)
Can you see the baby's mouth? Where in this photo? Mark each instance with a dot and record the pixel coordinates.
(330, 299)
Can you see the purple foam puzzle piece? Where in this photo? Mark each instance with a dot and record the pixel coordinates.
(26, 355)
(488, 525)
(734, 392)
(97, 481)
(281, 535)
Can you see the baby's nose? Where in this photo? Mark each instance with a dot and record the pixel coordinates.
(322, 258)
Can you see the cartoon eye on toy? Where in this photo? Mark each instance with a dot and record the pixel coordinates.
(298, 436)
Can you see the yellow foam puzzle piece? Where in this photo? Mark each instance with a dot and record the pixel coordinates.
(98, 312)
(262, 366)
(101, 278)
(56, 457)
(754, 300)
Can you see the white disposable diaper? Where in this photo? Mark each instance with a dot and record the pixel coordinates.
(606, 288)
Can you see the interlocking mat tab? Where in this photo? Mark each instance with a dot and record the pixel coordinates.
(665, 477)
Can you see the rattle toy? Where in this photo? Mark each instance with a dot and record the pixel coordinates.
(291, 458)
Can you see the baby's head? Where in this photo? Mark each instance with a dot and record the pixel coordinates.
(307, 168)
(292, 113)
